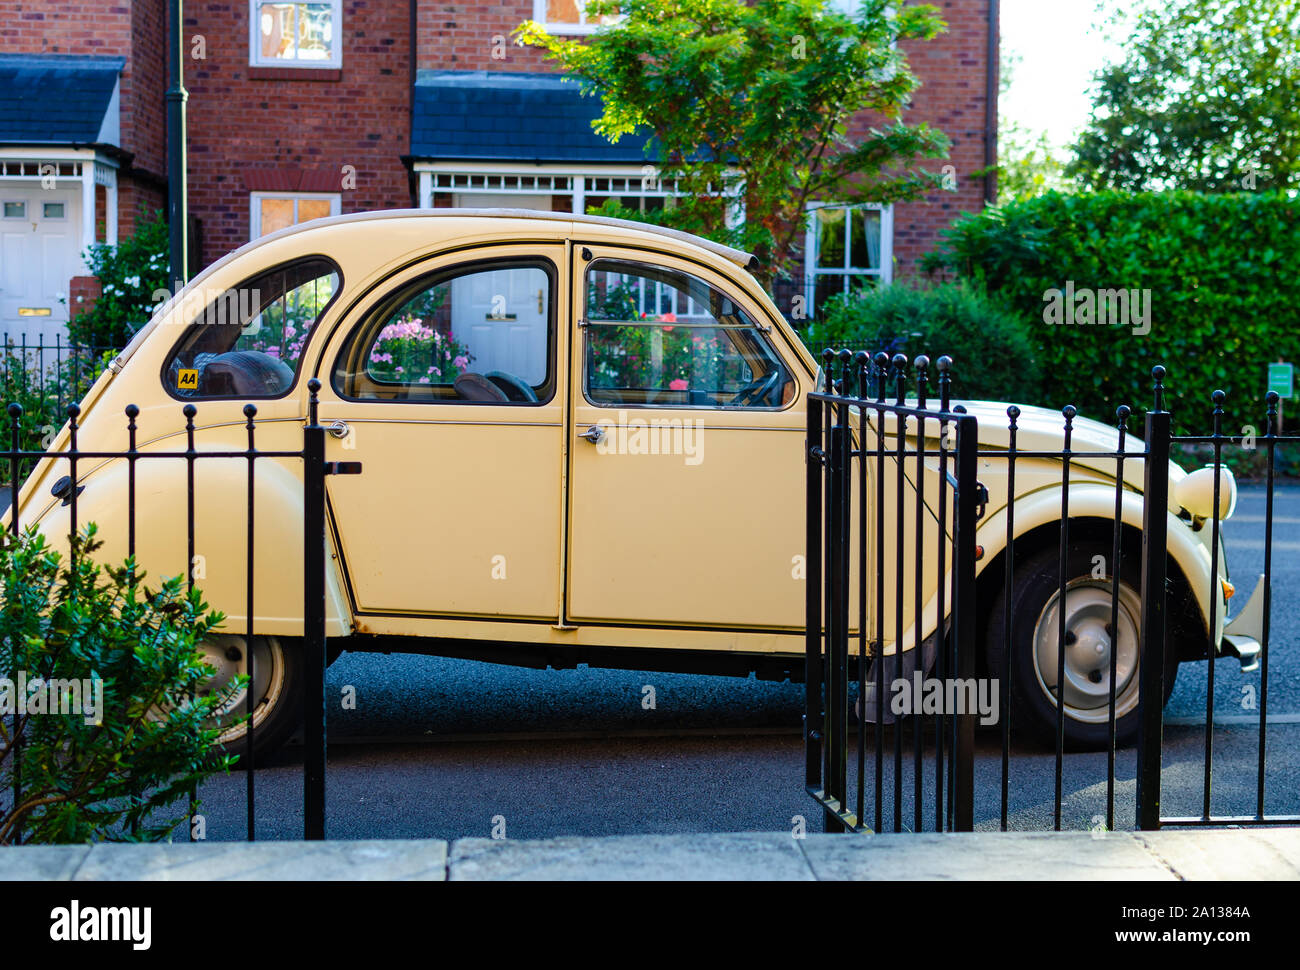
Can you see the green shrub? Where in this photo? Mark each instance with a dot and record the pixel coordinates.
(138, 742)
(993, 358)
(1220, 272)
(130, 274)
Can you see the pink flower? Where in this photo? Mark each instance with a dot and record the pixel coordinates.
(678, 385)
(668, 318)
(461, 361)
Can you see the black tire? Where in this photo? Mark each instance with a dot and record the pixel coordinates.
(278, 708)
(1033, 655)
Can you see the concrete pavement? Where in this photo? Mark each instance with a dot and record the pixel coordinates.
(1235, 854)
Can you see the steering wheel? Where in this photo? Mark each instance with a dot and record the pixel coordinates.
(756, 390)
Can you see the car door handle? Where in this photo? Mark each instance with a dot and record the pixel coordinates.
(339, 429)
(593, 434)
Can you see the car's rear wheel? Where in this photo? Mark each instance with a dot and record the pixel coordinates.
(276, 690)
(1090, 645)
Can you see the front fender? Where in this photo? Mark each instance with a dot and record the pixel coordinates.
(1095, 500)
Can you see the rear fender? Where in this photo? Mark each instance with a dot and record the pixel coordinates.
(220, 528)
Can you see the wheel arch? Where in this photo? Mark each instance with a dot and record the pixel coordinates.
(1092, 511)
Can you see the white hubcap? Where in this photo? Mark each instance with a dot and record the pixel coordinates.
(1089, 642)
(227, 654)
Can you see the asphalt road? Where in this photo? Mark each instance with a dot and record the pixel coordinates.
(450, 748)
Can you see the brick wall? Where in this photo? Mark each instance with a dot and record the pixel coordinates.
(285, 128)
(463, 36)
(144, 117)
(952, 69)
(282, 127)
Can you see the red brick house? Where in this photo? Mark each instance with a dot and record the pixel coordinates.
(298, 110)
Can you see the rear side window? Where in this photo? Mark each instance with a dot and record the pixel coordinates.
(481, 333)
(246, 342)
(658, 337)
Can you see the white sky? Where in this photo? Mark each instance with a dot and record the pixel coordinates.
(1060, 43)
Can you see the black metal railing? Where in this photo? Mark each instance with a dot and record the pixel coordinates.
(1150, 810)
(1107, 539)
(58, 371)
(313, 644)
(854, 462)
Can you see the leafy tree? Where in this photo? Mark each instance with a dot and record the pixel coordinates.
(1027, 164)
(751, 102)
(1207, 98)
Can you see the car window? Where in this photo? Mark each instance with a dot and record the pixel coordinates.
(247, 341)
(658, 337)
(480, 334)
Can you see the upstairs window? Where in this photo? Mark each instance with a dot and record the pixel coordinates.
(568, 17)
(295, 34)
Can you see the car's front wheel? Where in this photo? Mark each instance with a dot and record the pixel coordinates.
(1091, 644)
(276, 691)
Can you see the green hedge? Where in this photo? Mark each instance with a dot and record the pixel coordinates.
(1221, 271)
(993, 358)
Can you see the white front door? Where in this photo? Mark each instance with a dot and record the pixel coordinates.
(505, 312)
(40, 244)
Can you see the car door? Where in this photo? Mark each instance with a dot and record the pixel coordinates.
(447, 388)
(686, 468)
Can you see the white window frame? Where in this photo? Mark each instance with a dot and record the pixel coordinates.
(255, 206)
(885, 272)
(539, 15)
(255, 58)
(578, 182)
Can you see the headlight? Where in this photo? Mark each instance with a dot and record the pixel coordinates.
(1195, 493)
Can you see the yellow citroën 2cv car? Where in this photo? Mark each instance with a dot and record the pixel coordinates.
(582, 440)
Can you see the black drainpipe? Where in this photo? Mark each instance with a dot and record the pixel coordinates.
(413, 179)
(991, 107)
(177, 203)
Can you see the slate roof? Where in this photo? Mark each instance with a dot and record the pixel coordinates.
(507, 115)
(55, 98)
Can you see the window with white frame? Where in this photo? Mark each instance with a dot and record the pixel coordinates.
(568, 17)
(295, 34)
(847, 247)
(270, 211)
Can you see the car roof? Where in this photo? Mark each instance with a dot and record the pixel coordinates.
(738, 256)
